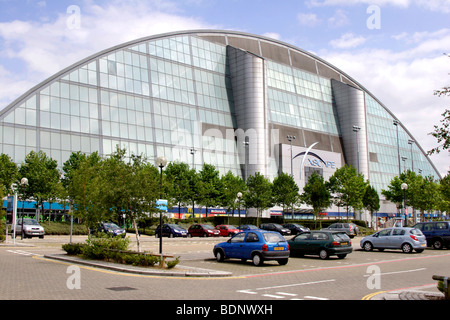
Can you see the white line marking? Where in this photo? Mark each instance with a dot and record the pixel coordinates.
(316, 298)
(395, 272)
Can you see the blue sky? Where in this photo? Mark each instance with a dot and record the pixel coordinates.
(400, 61)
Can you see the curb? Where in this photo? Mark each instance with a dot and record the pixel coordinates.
(189, 272)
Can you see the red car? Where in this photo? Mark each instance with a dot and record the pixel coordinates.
(202, 230)
(227, 230)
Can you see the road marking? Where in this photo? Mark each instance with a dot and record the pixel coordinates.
(273, 296)
(395, 272)
(315, 298)
(21, 252)
(296, 284)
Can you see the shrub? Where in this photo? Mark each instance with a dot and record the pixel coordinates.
(73, 248)
(97, 247)
(173, 263)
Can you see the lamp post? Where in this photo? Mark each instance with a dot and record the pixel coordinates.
(161, 162)
(356, 130)
(290, 138)
(193, 157)
(239, 196)
(23, 183)
(396, 123)
(404, 186)
(246, 144)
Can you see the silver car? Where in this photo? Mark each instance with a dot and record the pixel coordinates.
(350, 229)
(31, 228)
(407, 239)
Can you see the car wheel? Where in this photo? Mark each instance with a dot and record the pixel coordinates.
(220, 256)
(437, 244)
(283, 262)
(406, 248)
(368, 246)
(323, 254)
(257, 259)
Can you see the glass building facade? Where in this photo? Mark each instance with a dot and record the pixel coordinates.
(196, 96)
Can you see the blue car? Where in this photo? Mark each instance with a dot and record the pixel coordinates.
(256, 245)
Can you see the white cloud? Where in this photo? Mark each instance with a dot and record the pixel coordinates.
(308, 19)
(44, 48)
(339, 19)
(404, 81)
(396, 3)
(348, 40)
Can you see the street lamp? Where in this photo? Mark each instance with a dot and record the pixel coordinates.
(23, 182)
(396, 123)
(239, 196)
(290, 138)
(404, 186)
(161, 162)
(246, 144)
(193, 157)
(356, 130)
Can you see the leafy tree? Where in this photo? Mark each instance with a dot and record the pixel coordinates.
(8, 172)
(194, 188)
(210, 186)
(231, 185)
(444, 191)
(371, 200)
(42, 174)
(178, 183)
(316, 194)
(259, 195)
(349, 187)
(428, 196)
(285, 191)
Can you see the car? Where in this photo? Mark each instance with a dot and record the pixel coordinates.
(202, 230)
(275, 227)
(256, 245)
(323, 243)
(405, 238)
(227, 230)
(436, 232)
(31, 228)
(295, 228)
(350, 228)
(248, 227)
(111, 229)
(171, 230)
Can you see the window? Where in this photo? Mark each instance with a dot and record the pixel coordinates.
(252, 237)
(319, 236)
(238, 238)
(398, 232)
(303, 236)
(385, 233)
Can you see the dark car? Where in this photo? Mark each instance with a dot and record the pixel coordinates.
(171, 230)
(322, 243)
(436, 232)
(350, 228)
(246, 227)
(275, 227)
(202, 230)
(111, 229)
(295, 228)
(256, 245)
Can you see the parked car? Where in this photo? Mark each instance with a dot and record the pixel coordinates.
(111, 229)
(171, 230)
(256, 245)
(227, 230)
(295, 228)
(275, 227)
(323, 243)
(202, 230)
(31, 228)
(407, 239)
(246, 227)
(436, 232)
(350, 229)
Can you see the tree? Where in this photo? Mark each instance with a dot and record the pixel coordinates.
(285, 191)
(316, 194)
(259, 194)
(177, 183)
(231, 185)
(42, 174)
(428, 196)
(371, 200)
(210, 186)
(349, 187)
(8, 172)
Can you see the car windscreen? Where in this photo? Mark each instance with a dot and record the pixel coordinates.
(273, 237)
(416, 232)
(207, 226)
(176, 227)
(28, 222)
(340, 237)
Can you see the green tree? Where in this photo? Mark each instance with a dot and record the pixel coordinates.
(177, 179)
(210, 186)
(42, 174)
(428, 197)
(316, 194)
(231, 185)
(371, 200)
(259, 194)
(8, 173)
(285, 191)
(348, 186)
